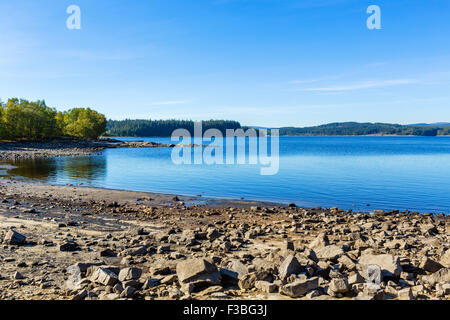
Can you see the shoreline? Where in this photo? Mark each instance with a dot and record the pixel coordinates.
(207, 200)
(68, 148)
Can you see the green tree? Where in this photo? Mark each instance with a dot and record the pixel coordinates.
(2, 122)
(22, 119)
(84, 123)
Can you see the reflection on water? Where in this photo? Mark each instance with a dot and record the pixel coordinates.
(79, 168)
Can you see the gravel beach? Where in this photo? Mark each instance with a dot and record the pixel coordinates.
(77, 243)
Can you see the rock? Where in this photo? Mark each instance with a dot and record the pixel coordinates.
(104, 276)
(389, 264)
(80, 295)
(248, 281)
(379, 212)
(289, 245)
(331, 252)
(319, 242)
(238, 267)
(169, 279)
(430, 265)
(128, 292)
(69, 246)
(15, 238)
(212, 234)
(405, 294)
(108, 253)
(198, 273)
(118, 288)
(347, 262)
(210, 290)
(18, 276)
(339, 285)
(445, 259)
(163, 249)
(161, 270)
(355, 278)
(266, 287)
(132, 283)
(289, 266)
(150, 283)
(374, 291)
(135, 251)
(235, 271)
(441, 276)
(446, 289)
(299, 288)
(127, 274)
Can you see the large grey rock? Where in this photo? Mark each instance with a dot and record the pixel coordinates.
(289, 266)
(331, 252)
(430, 265)
(234, 272)
(441, 276)
(339, 285)
(127, 274)
(389, 264)
(194, 274)
(299, 288)
(104, 276)
(13, 237)
(237, 266)
(76, 273)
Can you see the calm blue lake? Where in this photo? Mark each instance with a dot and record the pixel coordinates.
(349, 172)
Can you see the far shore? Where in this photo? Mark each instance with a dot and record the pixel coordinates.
(16, 150)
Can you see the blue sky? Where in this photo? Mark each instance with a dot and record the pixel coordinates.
(262, 62)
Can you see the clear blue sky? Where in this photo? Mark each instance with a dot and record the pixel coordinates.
(262, 62)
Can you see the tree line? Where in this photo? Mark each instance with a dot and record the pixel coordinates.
(358, 129)
(163, 128)
(21, 119)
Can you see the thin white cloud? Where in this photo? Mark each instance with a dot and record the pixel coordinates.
(363, 85)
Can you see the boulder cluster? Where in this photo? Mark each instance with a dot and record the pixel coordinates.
(233, 253)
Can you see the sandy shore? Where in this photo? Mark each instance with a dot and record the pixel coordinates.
(84, 243)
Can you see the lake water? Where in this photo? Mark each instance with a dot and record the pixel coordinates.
(349, 172)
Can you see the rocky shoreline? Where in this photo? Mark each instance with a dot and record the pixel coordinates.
(75, 243)
(67, 148)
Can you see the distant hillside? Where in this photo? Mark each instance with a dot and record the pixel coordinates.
(359, 129)
(162, 128)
